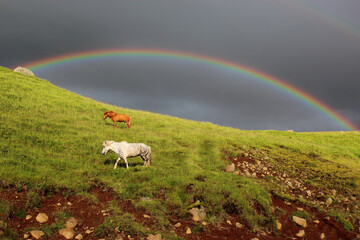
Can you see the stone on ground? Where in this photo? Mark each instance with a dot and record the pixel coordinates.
(42, 217)
(300, 221)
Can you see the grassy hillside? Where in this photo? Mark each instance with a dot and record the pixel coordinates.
(51, 139)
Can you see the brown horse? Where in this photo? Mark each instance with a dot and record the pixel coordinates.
(118, 118)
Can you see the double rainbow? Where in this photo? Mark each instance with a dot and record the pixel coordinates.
(192, 57)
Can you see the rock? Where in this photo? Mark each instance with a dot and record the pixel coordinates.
(79, 236)
(300, 221)
(24, 71)
(42, 217)
(88, 231)
(26, 235)
(278, 225)
(37, 234)
(328, 202)
(28, 217)
(261, 232)
(316, 221)
(188, 231)
(230, 168)
(301, 233)
(247, 173)
(199, 214)
(145, 199)
(67, 233)
(154, 237)
(322, 236)
(178, 225)
(238, 225)
(71, 223)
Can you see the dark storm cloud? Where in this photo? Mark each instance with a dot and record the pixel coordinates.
(284, 39)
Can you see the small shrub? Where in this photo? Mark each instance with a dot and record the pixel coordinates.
(61, 216)
(5, 209)
(341, 218)
(123, 221)
(33, 200)
(198, 228)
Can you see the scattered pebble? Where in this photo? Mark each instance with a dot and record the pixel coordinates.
(238, 225)
(154, 237)
(79, 236)
(37, 234)
(67, 233)
(71, 223)
(301, 233)
(328, 202)
(300, 221)
(42, 217)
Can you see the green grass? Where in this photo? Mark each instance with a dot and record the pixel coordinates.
(51, 139)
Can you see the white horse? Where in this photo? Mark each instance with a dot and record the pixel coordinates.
(124, 150)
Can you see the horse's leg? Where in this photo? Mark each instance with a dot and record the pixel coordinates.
(127, 165)
(115, 166)
(144, 159)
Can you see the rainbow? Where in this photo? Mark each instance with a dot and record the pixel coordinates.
(192, 57)
(326, 16)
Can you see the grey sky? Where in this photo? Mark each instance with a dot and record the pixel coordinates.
(314, 46)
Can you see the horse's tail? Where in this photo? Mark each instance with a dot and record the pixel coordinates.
(129, 122)
(148, 155)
